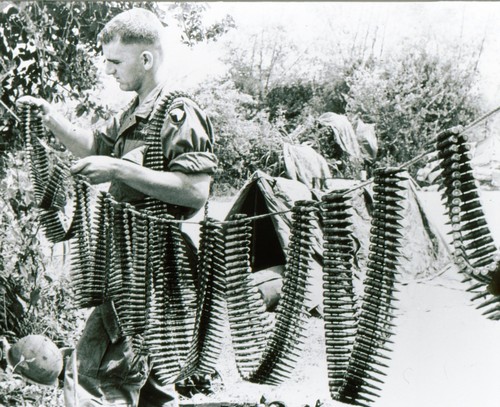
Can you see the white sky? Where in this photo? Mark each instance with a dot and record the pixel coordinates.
(307, 22)
(320, 25)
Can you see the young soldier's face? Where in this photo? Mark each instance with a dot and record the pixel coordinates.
(124, 62)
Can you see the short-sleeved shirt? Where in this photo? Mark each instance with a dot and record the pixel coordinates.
(186, 136)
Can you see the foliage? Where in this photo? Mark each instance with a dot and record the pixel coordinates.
(38, 291)
(15, 392)
(409, 91)
(47, 50)
(190, 18)
(34, 282)
(331, 88)
(265, 60)
(291, 99)
(245, 141)
(411, 96)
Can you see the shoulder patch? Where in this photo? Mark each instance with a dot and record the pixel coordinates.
(177, 114)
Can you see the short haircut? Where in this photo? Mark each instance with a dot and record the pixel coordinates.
(134, 26)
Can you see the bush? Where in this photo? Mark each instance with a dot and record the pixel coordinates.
(289, 99)
(411, 96)
(245, 141)
(34, 284)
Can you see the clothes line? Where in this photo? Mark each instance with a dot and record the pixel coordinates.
(404, 165)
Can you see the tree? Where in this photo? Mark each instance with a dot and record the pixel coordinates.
(245, 141)
(412, 95)
(262, 62)
(190, 19)
(291, 99)
(47, 49)
(409, 93)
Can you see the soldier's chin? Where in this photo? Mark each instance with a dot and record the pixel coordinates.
(123, 86)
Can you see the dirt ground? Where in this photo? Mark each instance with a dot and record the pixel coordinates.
(444, 353)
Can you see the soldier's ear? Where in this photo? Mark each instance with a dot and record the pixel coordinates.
(147, 60)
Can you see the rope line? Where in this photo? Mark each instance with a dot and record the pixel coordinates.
(137, 260)
(346, 192)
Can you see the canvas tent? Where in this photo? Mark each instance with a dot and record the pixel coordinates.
(343, 133)
(367, 139)
(263, 194)
(425, 252)
(304, 164)
(486, 161)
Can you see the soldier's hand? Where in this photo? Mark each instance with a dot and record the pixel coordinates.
(96, 168)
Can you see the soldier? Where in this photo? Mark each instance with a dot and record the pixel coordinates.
(109, 372)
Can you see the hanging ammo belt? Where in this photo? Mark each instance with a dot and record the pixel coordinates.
(136, 258)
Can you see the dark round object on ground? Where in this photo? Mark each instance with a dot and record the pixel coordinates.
(37, 359)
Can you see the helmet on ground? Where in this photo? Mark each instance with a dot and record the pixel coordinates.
(37, 359)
